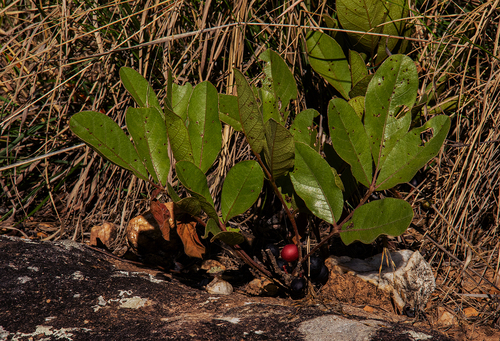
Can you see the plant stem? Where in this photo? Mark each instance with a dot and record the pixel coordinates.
(283, 203)
(239, 251)
(337, 228)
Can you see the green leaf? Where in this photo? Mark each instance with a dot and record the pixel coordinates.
(360, 88)
(388, 216)
(349, 139)
(250, 116)
(374, 16)
(108, 139)
(195, 182)
(172, 193)
(193, 178)
(229, 111)
(180, 99)
(148, 130)
(241, 188)
(365, 16)
(211, 227)
(358, 67)
(328, 59)
(279, 149)
(279, 83)
(139, 88)
(411, 153)
(204, 126)
(303, 129)
(394, 26)
(190, 205)
(358, 104)
(394, 86)
(178, 136)
(314, 182)
(230, 237)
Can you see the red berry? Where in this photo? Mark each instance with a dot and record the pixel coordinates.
(290, 253)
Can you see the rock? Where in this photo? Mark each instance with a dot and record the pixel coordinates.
(219, 287)
(65, 290)
(336, 328)
(409, 281)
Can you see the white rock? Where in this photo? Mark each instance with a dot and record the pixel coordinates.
(409, 279)
(219, 287)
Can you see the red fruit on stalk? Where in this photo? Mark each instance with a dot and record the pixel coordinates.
(290, 253)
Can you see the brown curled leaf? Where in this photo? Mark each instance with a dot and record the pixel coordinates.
(162, 215)
(192, 245)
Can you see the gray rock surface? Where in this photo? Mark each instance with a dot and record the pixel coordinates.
(67, 291)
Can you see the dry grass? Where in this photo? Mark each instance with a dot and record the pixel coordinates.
(64, 58)
(463, 184)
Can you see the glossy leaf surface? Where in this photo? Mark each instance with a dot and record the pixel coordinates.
(393, 88)
(279, 148)
(180, 99)
(148, 130)
(303, 129)
(388, 216)
(328, 59)
(411, 152)
(108, 139)
(279, 87)
(250, 116)
(349, 139)
(204, 129)
(229, 111)
(242, 187)
(314, 182)
(139, 88)
(178, 136)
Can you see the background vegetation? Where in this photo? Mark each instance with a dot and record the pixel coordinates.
(62, 57)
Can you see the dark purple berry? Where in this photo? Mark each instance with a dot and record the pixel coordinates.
(316, 265)
(323, 274)
(283, 265)
(298, 284)
(274, 249)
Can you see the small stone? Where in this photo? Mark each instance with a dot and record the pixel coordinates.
(219, 287)
(105, 232)
(471, 312)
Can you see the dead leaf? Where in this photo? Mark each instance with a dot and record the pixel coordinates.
(162, 215)
(106, 233)
(192, 245)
